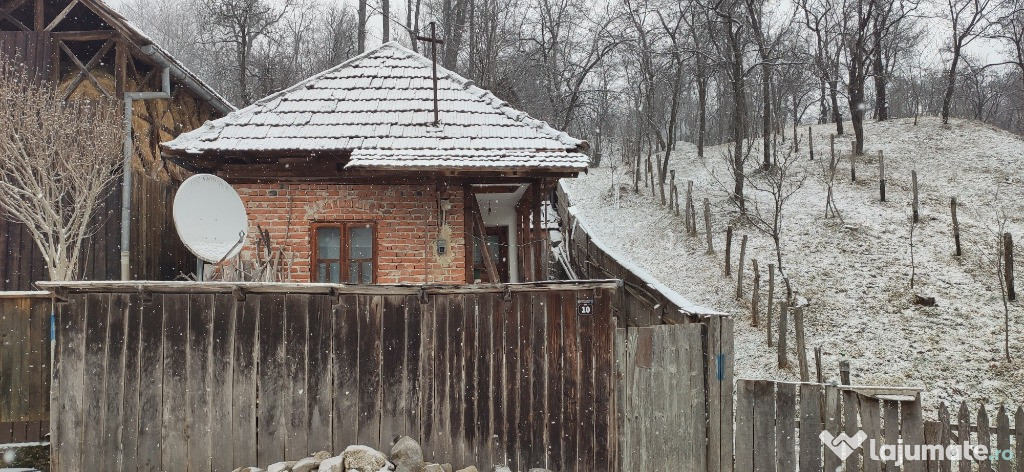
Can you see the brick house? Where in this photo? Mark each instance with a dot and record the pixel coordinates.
(349, 174)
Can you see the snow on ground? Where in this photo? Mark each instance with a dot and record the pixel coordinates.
(855, 275)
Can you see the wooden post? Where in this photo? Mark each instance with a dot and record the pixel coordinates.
(810, 142)
(739, 268)
(832, 147)
(956, 226)
(771, 300)
(673, 201)
(844, 372)
(755, 297)
(661, 181)
(688, 208)
(913, 188)
(1011, 292)
(817, 364)
(881, 175)
(853, 161)
(728, 251)
(796, 141)
(783, 320)
(707, 224)
(801, 346)
(692, 215)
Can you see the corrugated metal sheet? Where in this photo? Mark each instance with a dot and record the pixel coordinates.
(379, 105)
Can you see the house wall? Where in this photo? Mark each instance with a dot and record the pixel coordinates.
(407, 218)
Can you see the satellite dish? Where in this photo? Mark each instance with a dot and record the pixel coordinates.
(210, 218)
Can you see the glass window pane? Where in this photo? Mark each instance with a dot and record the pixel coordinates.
(335, 272)
(328, 243)
(321, 273)
(353, 272)
(360, 242)
(367, 272)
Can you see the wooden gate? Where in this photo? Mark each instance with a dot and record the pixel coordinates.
(185, 376)
(24, 366)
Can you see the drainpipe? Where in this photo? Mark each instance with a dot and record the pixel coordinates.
(126, 183)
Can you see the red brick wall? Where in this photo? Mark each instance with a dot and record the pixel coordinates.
(406, 218)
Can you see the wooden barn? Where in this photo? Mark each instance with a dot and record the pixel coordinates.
(89, 51)
(378, 171)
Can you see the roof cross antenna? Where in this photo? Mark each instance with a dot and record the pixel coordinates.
(434, 41)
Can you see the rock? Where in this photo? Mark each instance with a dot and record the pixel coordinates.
(365, 459)
(438, 468)
(332, 464)
(284, 466)
(248, 469)
(538, 469)
(407, 455)
(471, 468)
(924, 301)
(322, 456)
(307, 465)
(502, 468)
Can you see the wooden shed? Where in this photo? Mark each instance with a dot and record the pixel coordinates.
(89, 50)
(375, 171)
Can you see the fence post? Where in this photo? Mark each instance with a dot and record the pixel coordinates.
(801, 346)
(673, 193)
(853, 161)
(783, 320)
(756, 296)
(739, 268)
(844, 372)
(707, 225)
(771, 300)
(881, 175)
(728, 251)
(956, 226)
(1011, 292)
(817, 364)
(691, 225)
(810, 142)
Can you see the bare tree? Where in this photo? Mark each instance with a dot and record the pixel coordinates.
(777, 186)
(242, 23)
(58, 160)
(968, 21)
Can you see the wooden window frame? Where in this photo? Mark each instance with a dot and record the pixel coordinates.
(343, 227)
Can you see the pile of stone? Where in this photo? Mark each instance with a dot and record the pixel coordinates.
(406, 456)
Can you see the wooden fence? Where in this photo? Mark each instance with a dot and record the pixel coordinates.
(674, 361)
(178, 376)
(779, 427)
(24, 366)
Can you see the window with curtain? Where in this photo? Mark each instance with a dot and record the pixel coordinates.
(344, 253)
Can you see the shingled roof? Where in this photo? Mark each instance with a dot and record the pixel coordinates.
(378, 106)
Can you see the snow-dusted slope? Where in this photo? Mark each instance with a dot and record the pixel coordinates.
(856, 276)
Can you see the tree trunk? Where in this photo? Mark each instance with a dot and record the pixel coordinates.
(702, 107)
(881, 100)
(837, 117)
(947, 100)
(361, 33)
(766, 119)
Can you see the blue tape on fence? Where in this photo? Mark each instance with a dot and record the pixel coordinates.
(721, 366)
(53, 327)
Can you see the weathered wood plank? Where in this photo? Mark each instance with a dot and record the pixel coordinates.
(833, 422)
(713, 334)
(151, 375)
(1018, 438)
(97, 317)
(245, 351)
(197, 364)
(810, 427)
(571, 384)
(785, 426)
(765, 452)
(72, 318)
(745, 398)
(485, 381)
(891, 426)
(371, 310)
(604, 369)
(726, 368)
(457, 393)
(114, 383)
(392, 418)
(851, 415)
(345, 367)
(984, 438)
(271, 380)
(871, 423)
(912, 431)
(131, 406)
(469, 396)
(318, 375)
(964, 432)
(1003, 440)
(221, 382)
(174, 440)
(294, 391)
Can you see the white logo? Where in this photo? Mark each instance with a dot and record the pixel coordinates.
(842, 445)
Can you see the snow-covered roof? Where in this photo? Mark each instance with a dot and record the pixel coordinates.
(379, 107)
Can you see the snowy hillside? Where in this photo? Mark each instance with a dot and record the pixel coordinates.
(855, 275)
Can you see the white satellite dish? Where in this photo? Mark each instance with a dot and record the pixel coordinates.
(210, 218)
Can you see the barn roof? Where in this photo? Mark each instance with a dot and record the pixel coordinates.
(378, 107)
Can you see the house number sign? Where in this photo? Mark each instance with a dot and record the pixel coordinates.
(584, 307)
